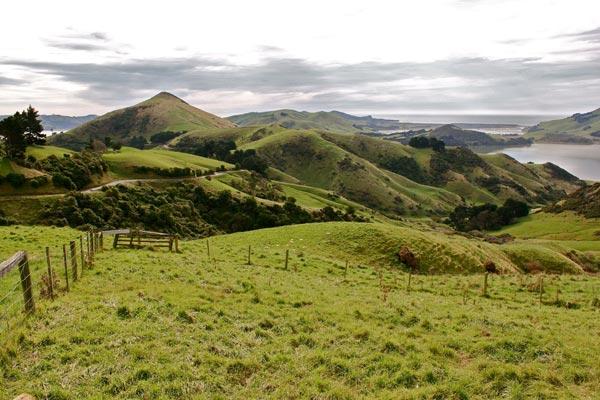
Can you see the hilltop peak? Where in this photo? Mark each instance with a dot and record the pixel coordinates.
(166, 96)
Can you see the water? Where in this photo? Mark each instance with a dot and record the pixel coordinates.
(493, 119)
(582, 161)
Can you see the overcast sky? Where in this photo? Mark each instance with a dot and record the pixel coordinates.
(365, 57)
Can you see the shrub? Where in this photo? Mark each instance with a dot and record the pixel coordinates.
(38, 181)
(75, 171)
(407, 257)
(15, 180)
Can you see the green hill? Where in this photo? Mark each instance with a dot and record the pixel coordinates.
(578, 128)
(334, 121)
(163, 112)
(389, 176)
(123, 163)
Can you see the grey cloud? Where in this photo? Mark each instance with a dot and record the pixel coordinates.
(99, 36)
(95, 41)
(9, 81)
(590, 36)
(76, 46)
(449, 85)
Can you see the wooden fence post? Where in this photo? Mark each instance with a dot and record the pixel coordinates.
(485, 284)
(73, 260)
(65, 264)
(101, 240)
(208, 249)
(287, 257)
(50, 280)
(115, 241)
(541, 288)
(249, 254)
(81, 253)
(26, 284)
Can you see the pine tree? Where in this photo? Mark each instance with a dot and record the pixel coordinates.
(12, 129)
(33, 127)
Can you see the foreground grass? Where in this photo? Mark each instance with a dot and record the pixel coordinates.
(149, 324)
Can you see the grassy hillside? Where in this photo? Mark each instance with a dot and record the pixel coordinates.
(42, 152)
(564, 226)
(123, 162)
(165, 325)
(307, 156)
(488, 178)
(578, 128)
(334, 121)
(390, 176)
(163, 112)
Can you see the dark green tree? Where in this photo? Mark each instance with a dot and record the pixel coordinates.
(12, 130)
(33, 127)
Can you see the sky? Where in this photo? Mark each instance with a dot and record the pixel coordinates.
(373, 57)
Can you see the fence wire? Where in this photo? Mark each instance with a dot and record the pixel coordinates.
(50, 271)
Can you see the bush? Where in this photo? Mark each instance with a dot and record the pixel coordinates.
(38, 181)
(60, 180)
(184, 209)
(487, 216)
(74, 172)
(15, 180)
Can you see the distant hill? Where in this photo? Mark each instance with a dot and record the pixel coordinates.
(334, 121)
(56, 122)
(453, 135)
(163, 112)
(578, 128)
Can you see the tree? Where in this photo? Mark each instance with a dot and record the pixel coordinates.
(19, 130)
(138, 142)
(33, 127)
(13, 130)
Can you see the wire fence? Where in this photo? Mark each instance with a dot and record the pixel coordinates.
(25, 281)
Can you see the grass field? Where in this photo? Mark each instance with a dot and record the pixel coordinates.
(122, 162)
(150, 324)
(42, 152)
(564, 226)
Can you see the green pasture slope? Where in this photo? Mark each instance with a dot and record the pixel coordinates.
(122, 162)
(151, 324)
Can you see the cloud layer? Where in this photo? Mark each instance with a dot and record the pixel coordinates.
(453, 85)
(96, 73)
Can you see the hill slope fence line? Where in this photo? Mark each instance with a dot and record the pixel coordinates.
(130, 238)
(55, 273)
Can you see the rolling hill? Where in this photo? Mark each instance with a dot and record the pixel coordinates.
(334, 121)
(163, 112)
(389, 176)
(578, 128)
